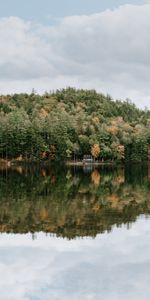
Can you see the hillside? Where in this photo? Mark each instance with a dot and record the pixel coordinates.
(68, 123)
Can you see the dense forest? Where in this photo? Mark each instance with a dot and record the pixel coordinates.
(69, 123)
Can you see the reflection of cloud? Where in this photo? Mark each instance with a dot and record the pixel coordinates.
(108, 51)
(111, 267)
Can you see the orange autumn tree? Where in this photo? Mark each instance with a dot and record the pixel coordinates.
(95, 151)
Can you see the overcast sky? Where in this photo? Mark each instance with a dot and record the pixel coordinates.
(46, 44)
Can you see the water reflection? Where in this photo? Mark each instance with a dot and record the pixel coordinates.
(55, 264)
(72, 202)
(110, 267)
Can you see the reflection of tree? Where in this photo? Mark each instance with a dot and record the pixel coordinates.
(95, 177)
(71, 204)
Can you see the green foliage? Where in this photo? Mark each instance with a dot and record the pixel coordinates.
(72, 121)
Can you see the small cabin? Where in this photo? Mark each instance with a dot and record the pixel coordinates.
(88, 159)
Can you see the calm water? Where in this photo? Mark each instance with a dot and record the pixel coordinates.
(74, 233)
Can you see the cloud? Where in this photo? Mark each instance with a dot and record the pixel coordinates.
(108, 51)
(112, 266)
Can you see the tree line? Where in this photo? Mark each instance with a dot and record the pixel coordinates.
(68, 124)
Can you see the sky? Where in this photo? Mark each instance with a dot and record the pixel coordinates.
(91, 44)
(45, 10)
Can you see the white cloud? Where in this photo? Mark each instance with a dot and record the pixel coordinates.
(108, 51)
(111, 267)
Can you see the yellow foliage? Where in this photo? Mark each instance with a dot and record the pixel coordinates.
(114, 200)
(43, 113)
(116, 121)
(121, 150)
(19, 158)
(112, 130)
(96, 207)
(95, 177)
(95, 120)
(95, 150)
(19, 169)
(43, 214)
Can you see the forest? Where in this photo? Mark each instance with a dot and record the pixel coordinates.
(69, 123)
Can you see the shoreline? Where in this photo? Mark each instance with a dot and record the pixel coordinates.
(13, 162)
(83, 164)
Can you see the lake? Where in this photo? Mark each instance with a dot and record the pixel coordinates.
(75, 233)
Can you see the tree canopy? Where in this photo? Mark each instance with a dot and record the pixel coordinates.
(69, 123)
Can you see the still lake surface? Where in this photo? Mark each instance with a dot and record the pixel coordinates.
(75, 233)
